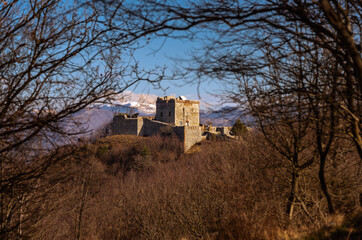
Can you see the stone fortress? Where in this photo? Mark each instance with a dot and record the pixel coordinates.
(179, 114)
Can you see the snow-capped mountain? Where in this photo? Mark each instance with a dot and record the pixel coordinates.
(94, 118)
(97, 116)
(223, 116)
(130, 102)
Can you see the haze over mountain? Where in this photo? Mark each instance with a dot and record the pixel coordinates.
(95, 117)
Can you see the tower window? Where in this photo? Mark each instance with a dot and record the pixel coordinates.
(169, 114)
(161, 114)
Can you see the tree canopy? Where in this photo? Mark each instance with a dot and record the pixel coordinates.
(238, 128)
(295, 66)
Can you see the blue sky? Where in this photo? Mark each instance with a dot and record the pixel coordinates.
(162, 52)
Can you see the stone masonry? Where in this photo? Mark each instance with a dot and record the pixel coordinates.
(179, 113)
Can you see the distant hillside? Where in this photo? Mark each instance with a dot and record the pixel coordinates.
(96, 117)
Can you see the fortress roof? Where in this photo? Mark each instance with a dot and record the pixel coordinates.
(173, 98)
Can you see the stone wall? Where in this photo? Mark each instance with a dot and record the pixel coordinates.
(225, 130)
(212, 129)
(180, 114)
(189, 136)
(177, 112)
(165, 110)
(126, 126)
(152, 127)
(192, 136)
(187, 113)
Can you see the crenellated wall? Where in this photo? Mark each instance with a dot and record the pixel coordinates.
(182, 115)
(123, 125)
(165, 110)
(177, 112)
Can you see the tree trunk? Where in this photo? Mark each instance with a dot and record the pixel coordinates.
(357, 139)
(324, 185)
(292, 196)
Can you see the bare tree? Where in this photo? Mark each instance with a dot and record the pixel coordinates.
(295, 65)
(237, 27)
(258, 43)
(56, 57)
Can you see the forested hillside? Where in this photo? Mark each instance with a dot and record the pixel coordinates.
(292, 69)
(129, 187)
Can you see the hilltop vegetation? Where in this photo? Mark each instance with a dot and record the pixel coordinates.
(293, 67)
(128, 187)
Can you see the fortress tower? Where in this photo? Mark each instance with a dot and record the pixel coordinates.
(180, 114)
(177, 111)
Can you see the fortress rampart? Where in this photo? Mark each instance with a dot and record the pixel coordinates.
(180, 114)
(177, 111)
(122, 125)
